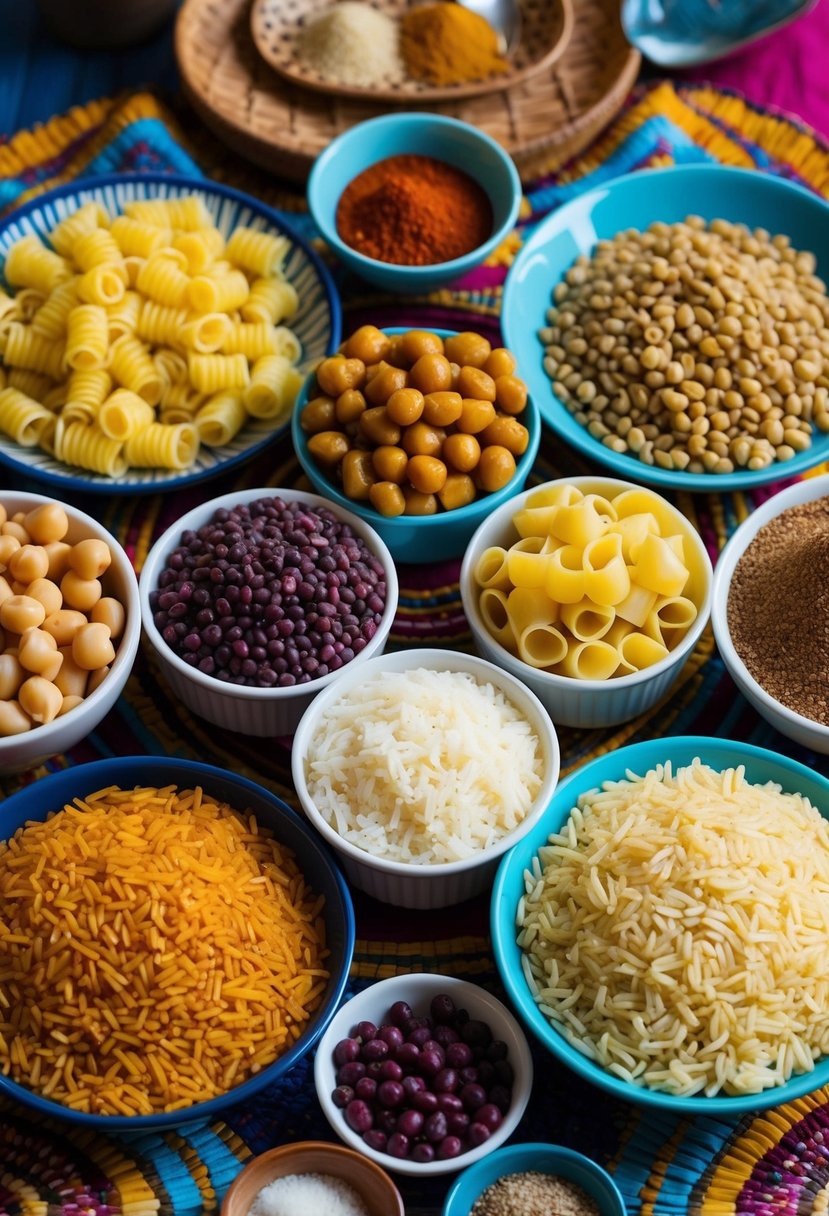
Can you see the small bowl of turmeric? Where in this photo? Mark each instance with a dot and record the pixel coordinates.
(413, 201)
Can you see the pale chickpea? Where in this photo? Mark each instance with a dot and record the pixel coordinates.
(48, 593)
(69, 703)
(21, 612)
(58, 552)
(90, 558)
(92, 646)
(16, 531)
(38, 653)
(80, 593)
(40, 699)
(47, 523)
(96, 679)
(109, 611)
(13, 719)
(4, 515)
(8, 546)
(64, 624)
(71, 679)
(12, 675)
(28, 563)
(5, 589)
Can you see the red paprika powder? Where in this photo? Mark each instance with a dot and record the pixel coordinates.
(413, 211)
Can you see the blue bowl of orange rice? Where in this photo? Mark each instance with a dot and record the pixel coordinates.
(175, 940)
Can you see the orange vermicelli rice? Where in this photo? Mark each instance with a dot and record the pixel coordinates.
(156, 949)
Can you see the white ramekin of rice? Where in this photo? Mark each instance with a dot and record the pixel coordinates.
(429, 882)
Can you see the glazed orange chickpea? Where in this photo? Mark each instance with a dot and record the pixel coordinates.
(475, 416)
(336, 374)
(420, 439)
(367, 343)
(419, 504)
(473, 382)
(389, 463)
(467, 348)
(28, 563)
(405, 406)
(495, 468)
(427, 474)
(414, 343)
(357, 474)
(318, 415)
(47, 523)
(90, 558)
(442, 409)
(501, 362)
(377, 427)
(461, 451)
(458, 491)
(328, 447)
(508, 432)
(387, 498)
(349, 406)
(387, 381)
(510, 394)
(58, 553)
(431, 374)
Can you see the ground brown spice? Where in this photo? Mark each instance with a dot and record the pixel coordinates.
(778, 609)
(534, 1194)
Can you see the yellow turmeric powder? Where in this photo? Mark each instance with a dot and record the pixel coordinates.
(444, 43)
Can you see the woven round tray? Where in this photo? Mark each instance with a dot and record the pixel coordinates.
(283, 127)
(276, 26)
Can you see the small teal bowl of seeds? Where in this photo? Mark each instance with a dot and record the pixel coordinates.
(534, 1177)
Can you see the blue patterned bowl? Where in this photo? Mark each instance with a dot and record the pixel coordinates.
(317, 323)
(38, 800)
(683, 33)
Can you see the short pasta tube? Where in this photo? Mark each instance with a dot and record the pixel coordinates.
(638, 651)
(163, 447)
(122, 318)
(530, 606)
(87, 337)
(251, 340)
(222, 291)
(88, 217)
(675, 613)
(542, 646)
(30, 264)
(182, 397)
(33, 384)
(491, 568)
(87, 447)
(209, 373)
(637, 605)
(586, 620)
(658, 568)
(160, 325)
(25, 348)
(164, 281)
(527, 562)
(201, 248)
(564, 580)
(220, 418)
(187, 213)
(578, 524)
(104, 285)
(273, 388)
(606, 577)
(135, 239)
(170, 365)
(590, 661)
(123, 414)
(633, 529)
(535, 521)
(206, 333)
(287, 343)
(98, 248)
(21, 418)
(271, 300)
(261, 253)
(131, 365)
(561, 495)
(493, 608)
(51, 318)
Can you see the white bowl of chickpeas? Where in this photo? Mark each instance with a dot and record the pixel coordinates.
(69, 627)
(422, 433)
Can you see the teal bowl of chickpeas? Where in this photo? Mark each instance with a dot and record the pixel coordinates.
(422, 433)
(70, 624)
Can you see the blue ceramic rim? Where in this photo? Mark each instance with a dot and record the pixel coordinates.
(548, 1153)
(204, 186)
(559, 419)
(416, 274)
(106, 771)
(317, 477)
(518, 990)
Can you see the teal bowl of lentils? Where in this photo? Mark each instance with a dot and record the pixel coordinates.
(534, 1178)
(253, 602)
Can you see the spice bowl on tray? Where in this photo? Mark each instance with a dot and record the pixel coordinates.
(523, 1177)
(312, 1176)
(421, 433)
(770, 610)
(255, 601)
(412, 201)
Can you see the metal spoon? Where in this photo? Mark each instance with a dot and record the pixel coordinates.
(503, 15)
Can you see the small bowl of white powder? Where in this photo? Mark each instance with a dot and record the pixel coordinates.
(422, 769)
(312, 1178)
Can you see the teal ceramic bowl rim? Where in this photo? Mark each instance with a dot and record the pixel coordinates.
(556, 415)
(388, 523)
(638, 757)
(413, 274)
(511, 1158)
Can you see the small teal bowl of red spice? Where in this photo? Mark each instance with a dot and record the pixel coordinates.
(413, 201)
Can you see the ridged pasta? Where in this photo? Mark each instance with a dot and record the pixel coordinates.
(160, 325)
(163, 447)
(87, 447)
(30, 264)
(33, 384)
(85, 390)
(54, 398)
(287, 343)
(170, 365)
(123, 414)
(105, 285)
(209, 373)
(8, 305)
(271, 300)
(122, 318)
(98, 248)
(253, 340)
(260, 253)
(21, 418)
(207, 332)
(50, 319)
(220, 418)
(131, 365)
(273, 387)
(88, 217)
(200, 248)
(182, 397)
(25, 348)
(187, 213)
(217, 292)
(29, 301)
(135, 239)
(87, 337)
(163, 281)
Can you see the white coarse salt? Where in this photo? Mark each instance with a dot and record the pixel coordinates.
(308, 1195)
(353, 44)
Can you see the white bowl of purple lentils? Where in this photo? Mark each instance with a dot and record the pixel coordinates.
(255, 601)
(770, 611)
(424, 1074)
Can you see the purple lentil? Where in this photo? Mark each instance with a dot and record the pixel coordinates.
(263, 572)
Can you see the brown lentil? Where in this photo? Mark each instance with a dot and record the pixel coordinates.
(692, 321)
(778, 609)
(534, 1194)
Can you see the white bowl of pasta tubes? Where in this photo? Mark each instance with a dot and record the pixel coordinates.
(154, 332)
(592, 591)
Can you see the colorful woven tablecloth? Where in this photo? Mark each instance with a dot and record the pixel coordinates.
(664, 1165)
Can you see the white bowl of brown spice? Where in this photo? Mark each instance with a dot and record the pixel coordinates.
(770, 611)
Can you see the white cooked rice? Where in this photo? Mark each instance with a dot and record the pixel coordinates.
(423, 766)
(676, 931)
